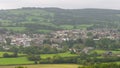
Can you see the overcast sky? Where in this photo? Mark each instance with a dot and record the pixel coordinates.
(67, 4)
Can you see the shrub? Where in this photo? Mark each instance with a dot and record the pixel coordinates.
(34, 57)
(6, 55)
(20, 67)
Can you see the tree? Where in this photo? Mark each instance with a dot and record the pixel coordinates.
(57, 59)
(90, 42)
(5, 55)
(89, 34)
(15, 50)
(8, 41)
(47, 41)
(34, 57)
(20, 67)
(31, 50)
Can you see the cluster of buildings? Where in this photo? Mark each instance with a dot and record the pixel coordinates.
(57, 37)
(23, 39)
(96, 34)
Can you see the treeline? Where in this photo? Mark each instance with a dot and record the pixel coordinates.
(58, 60)
(82, 59)
(6, 55)
(103, 44)
(108, 65)
(34, 50)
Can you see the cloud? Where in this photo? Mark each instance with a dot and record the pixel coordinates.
(70, 4)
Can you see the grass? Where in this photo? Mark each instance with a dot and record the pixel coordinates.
(103, 51)
(67, 54)
(10, 61)
(18, 60)
(23, 60)
(83, 26)
(117, 62)
(46, 66)
(15, 28)
(44, 31)
(48, 24)
(68, 27)
(99, 51)
(1, 54)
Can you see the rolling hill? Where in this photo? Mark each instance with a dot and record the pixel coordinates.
(45, 20)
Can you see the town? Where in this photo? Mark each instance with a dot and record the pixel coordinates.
(57, 37)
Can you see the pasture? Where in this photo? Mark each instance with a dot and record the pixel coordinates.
(84, 26)
(46, 66)
(104, 51)
(1, 54)
(19, 60)
(24, 60)
(20, 29)
(66, 54)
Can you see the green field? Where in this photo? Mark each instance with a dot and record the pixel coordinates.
(68, 27)
(44, 31)
(1, 54)
(46, 66)
(19, 60)
(67, 54)
(23, 60)
(15, 28)
(104, 51)
(84, 26)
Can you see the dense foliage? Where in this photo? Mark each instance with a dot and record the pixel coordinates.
(111, 65)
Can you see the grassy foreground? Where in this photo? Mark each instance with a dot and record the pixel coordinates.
(46, 66)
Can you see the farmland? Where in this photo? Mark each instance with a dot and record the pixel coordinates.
(19, 60)
(59, 38)
(47, 66)
(103, 51)
(67, 54)
(24, 60)
(21, 29)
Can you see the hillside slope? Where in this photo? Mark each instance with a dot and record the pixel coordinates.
(49, 19)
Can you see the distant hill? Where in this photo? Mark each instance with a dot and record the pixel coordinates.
(49, 19)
